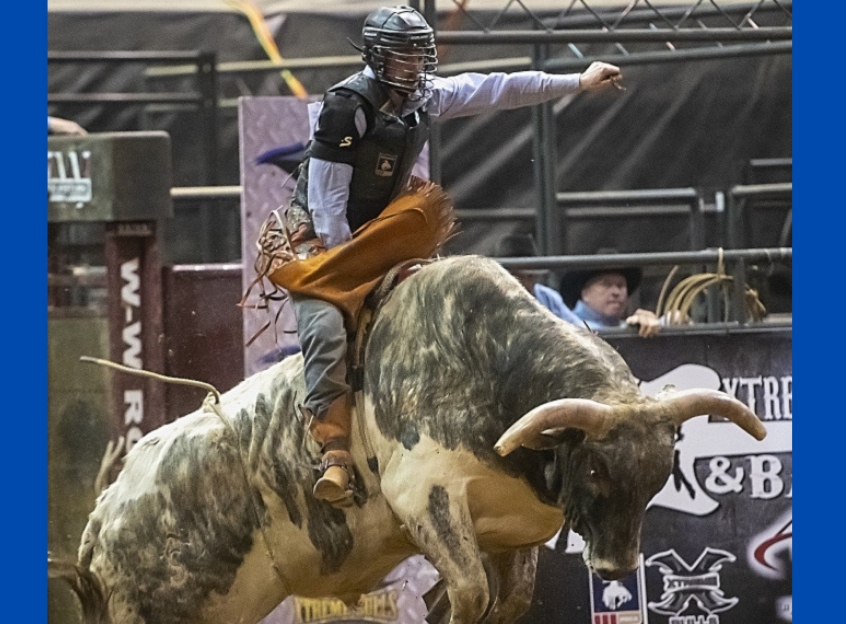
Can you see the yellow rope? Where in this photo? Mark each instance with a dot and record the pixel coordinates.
(660, 306)
(265, 38)
(676, 309)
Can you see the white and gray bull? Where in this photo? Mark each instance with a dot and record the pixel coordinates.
(487, 422)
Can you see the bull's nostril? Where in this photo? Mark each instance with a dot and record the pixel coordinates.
(612, 574)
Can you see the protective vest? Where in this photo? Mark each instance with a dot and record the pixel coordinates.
(385, 155)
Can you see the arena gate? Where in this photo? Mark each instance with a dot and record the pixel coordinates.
(109, 196)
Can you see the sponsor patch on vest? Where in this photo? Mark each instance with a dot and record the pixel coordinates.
(385, 165)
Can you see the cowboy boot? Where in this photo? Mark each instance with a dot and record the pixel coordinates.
(332, 432)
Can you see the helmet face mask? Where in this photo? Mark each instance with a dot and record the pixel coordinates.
(406, 70)
(399, 46)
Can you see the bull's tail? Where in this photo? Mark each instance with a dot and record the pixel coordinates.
(87, 586)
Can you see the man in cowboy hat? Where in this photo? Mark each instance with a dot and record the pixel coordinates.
(600, 298)
(523, 246)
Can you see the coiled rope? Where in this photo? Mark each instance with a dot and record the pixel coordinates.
(680, 299)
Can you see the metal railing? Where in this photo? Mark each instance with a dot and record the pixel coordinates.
(637, 204)
(741, 197)
(205, 99)
(735, 259)
(728, 30)
(768, 168)
(602, 205)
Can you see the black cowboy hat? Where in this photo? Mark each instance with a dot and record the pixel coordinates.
(574, 281)
(518, 246)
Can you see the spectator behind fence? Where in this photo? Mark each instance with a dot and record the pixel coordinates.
(57, 125)
(600, 298)
(523, 246)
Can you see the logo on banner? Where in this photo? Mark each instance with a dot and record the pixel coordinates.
(766, 550)
(685, 584)
(69, 177)
(784, 608)
(133, 398)
(378, 606)
(700, 438)
(618, 602)
(385, 165)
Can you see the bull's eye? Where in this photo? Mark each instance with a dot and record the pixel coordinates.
(598, 479)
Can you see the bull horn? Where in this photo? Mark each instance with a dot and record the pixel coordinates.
(689, 403)
(591, 417)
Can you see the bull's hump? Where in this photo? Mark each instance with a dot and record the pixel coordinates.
(461, 350)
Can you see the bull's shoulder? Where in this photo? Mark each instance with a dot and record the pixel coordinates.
(462, 350)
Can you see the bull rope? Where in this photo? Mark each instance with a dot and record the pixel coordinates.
(211, 402)
(366, 318)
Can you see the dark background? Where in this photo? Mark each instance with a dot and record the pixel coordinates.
(562, 585)
(678, 124)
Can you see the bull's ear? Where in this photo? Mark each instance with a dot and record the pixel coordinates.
(554, 436)
(547, 439)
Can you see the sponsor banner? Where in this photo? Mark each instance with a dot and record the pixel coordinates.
(685, 584)
(378, 606)
(399, 601)
(69, 176)
(719, 535)
(135, 328)
(618, 602)
(717, 539)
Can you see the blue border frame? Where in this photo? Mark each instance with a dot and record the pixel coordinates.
(817, 348)
(24, 256)
(818, 359)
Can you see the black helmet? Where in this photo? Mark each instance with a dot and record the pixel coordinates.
(403, 35)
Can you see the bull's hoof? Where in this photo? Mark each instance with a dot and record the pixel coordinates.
(334, 487)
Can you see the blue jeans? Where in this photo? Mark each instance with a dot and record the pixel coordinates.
(323, 340)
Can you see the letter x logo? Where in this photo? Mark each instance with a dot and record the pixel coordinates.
(699, 582)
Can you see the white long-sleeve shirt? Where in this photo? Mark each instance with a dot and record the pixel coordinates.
(457, 96)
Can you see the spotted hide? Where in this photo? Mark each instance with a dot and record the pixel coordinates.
(487, 422)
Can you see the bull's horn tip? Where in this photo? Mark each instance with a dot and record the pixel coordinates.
(501, 450)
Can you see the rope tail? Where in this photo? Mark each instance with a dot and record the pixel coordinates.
(145, 373)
